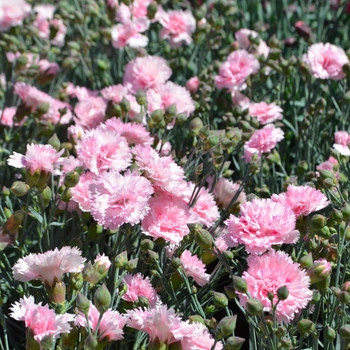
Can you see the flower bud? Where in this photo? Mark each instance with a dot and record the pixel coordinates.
(42, 108)
(71, 179)
(226, 327)
(303, 30)
(344, 331)
(234, 343)
(306, 326)
(317, 222)
(196, 319)
(19, 188)
(345, 209)
(282, 293)
(220, 299)
(254, 306)
(181, 118)
(327, 174)
(76, 281)
(329, 333)
(14, 221)
(32, 179)
(195, 125)
(125, 105)
(95, 231)
(54, 142)
(145, 245)
(157, 119)
(82, 303)
(203, 238)
(192, 84)
(153, 256)
(102, 298)
(325, 232)
(346, 286)
(57, 293)
(46, 195)
(344, 297)
(306, 261)
(121, 260)
(170, 113)
(240, 284)
(203, 132)
(319, 271)
(131, 265)
(141, 98)
(113, 110)
(336, 216)
(90, 342)
(230, 292)
(152, 10)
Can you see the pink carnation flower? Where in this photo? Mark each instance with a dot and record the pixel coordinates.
(163, 172)
(240, 100)
(117, 199)
(193, 267)
(303, 200)
(163, 96)
(146, 73)
(178, 26)
(242, 36)
(224, 191)
(12, 13)
(342, 141)
(33, 98)
(265, 112)
(80, 92)
(326, 61)
(81, 193)
(139, 286)
(167, 219)
(110, 325)
(61, 29)
(101, 149)
(7, 115)
(160, 323)
(330, 164)
(192, 84)
(90, 112)
(262, 224)
(44, 14)
(135, 134)
(262, 141)
(48, 267)
(278, 270)
(236, 69)
(136, 10)
(129, 33)
(40, 320)
(38, 157)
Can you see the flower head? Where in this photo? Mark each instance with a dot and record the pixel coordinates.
(48, 267)
(40, 320)
(90, 112)
(139, 286)
(265, 112)
(236, 69)
(342, 142)
(262, 224)
(146, 73)
(38, 157)
(194, 267)
(326, 61)
(12, 13)
(262, 141)
(303, 200)
(242, 36)
(267, 273)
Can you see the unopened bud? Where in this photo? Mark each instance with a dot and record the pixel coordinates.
(319, 271)
(329, 333)
(344, 297)
(181, 118)
(54, 142)
(102, 298)
(152, 10)
(19, 188)
(345, 209)
(57, 293)
(306, 261)
(226, 327)
(141, 98)
(14, 221)
(90, 342)
(220, 299)
(196, 319)
(282, 293)
(230, 292)
(344, 331)
(157, 119)
(203, 238)
(125, 105)
(234, 343)
(71, 179)
(170, 113)
(82, 303)
(145, 245)
(254, 306)
(306, 326)
(121, 260)
(195, 125)
(46, 196)
(240, 284)
(317, 222)
(42, 108)
(131, 265)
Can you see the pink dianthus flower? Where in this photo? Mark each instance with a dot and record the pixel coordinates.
(236, 69)
(101, 149)
(326, 61)
(90, 112)
(242, 36)
(139, 286)
(110, 325)
(40, 320)
(267, 273)
(146, 73)
(262, 223)
(265, 112)
(81, 192)
(303, 200)
(178, 26)
(37, 158)
(342, 141)
(48, 267)
(193, 267)
(117, 199)
(192, 84)
(12, 13)
(262, 141)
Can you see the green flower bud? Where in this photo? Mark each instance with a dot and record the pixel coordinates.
(344, 331)
(220, 299)
(175, 263)
(121, 259)
(42, 108)
(325, 232)
(141, 98)
(329, 333)
(57, 293)
(19, 188)
(145, 245)
(203, 238)
(306, 326)
(82, 303)
(55, 142)
(157, 119)
(95, 231)
(345, 209)
(131, 265)
(240, 284)
(195, 125)
(226, 327)
(71, 179)
(286, 343)
(203, 132)
(125, 105)
(32, 179)
(211, 141)
(14, 221)
(282, 293)
(76, 281)
(46, 195)
(317, 222)
(181, 118)
(234, 343)
(230, 292)
(21, 61)
(90, 342)
(170, 113)
(336, 216)
(319, 271)
(344, 297)
(306, 261)
(196, 319)
(327, 174)
(254, 306)
(336, 291)
(153, 256)
(113, 110)
(102, 298)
